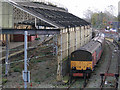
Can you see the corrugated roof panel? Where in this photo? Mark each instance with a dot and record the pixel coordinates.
(51, 15)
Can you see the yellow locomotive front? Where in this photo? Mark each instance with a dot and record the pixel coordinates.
(81, 62)
(81, 65)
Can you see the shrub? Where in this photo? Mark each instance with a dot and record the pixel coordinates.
(17, 69)
(4, 80)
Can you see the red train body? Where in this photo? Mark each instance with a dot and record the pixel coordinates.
(84, 60)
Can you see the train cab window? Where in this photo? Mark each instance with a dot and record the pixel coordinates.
(81, 55)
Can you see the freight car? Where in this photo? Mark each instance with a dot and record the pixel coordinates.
(83, 60)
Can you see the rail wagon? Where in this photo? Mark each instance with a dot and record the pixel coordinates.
(83, 60)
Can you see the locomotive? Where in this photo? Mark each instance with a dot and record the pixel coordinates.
(83, 60)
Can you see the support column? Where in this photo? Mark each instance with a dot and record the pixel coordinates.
(68, 44)
(84, 36)
(75, 38)
(35, 22)
(61, 56)
(55, 47)
(59, 69)
(7, 54)
(69, 49)
(80, 37)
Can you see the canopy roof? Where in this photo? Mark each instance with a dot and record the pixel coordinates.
(49, 15)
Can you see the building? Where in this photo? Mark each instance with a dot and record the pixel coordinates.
(39, 18)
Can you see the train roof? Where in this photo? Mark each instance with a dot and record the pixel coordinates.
(91, 46)
(100, 39)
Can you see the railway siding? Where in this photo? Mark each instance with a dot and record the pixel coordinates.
(111, 80)
(119, 64)
(95, 80)
(42, 66)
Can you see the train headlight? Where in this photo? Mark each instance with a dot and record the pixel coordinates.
(73, 68)
(89, 68)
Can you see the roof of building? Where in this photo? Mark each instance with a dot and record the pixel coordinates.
(49, 15)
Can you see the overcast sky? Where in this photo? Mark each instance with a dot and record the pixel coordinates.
(78, 7)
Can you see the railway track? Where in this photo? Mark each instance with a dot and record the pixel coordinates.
(71, 84)
(82, 83)
(111, 73)
(41, 54)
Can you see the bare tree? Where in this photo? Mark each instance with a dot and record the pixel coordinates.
(88, 14)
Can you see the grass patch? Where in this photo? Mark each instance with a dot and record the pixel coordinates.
(36, 60)
(66, 58)
(37, 38)
(37, 80)
(33, 60)
(4, 80)
(39, 60)
(16, 69)
(65, 79)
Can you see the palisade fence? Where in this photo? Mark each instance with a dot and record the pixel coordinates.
(70, 40)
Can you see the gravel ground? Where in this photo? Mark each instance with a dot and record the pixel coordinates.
(110, 81)
(119, 72)
(42, 70)
(43, 73)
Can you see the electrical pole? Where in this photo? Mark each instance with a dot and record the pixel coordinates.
(26, 73)
(25, 59)
(7, 54)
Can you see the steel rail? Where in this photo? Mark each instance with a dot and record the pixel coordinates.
(84, 84)
(71, 84)
(107, 68)
(117, 65)
(109, 64)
